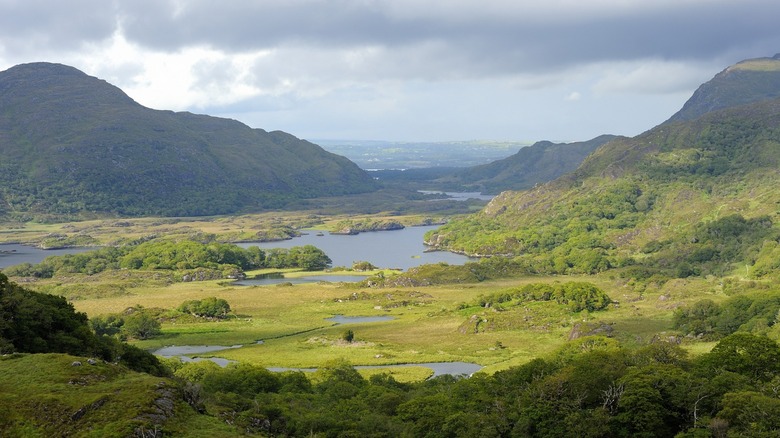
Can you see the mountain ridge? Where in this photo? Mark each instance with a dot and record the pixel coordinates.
(74, 144)
(541, 162)
(745, 82)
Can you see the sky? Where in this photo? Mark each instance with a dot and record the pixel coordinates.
(402, 70)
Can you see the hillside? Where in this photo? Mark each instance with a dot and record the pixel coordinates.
(659, 199)
(539, 163)
(46, 395)
(74, 145)
(748, 81)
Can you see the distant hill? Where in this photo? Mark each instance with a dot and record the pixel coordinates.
(74, 145)
(701, 192)
(531, 165)
(543, 161)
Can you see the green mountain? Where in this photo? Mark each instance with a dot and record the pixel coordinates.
(73, 145)
(539, 163)
(694, 195)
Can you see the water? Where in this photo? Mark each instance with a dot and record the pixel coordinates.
(459, 196)
(277, 278)
(183, 352)
(397, 249)
(14, 254)
(438, 368)
(341, 319)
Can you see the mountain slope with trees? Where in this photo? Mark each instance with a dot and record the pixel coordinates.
(686, 197)
(73, 145)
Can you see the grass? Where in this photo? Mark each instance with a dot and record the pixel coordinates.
(427, 326)
(102, 400)
(429, 323)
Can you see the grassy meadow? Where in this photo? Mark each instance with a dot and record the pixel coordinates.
(430, 324)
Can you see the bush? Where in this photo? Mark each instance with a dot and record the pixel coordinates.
(208, 307)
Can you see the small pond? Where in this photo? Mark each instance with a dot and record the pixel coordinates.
(341, 319)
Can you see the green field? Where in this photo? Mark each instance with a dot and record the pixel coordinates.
(428, 324)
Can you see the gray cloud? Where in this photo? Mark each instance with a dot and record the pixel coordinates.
(353, 65)
(40, 25)
(506, 38)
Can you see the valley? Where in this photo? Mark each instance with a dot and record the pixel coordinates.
(615, 287)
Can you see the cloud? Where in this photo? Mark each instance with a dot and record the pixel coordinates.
(303, 58)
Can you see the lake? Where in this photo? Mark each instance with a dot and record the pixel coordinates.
(458, 196)
(397, 249)
(14, 254)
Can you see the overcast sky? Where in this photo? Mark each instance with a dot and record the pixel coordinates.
(405, 70)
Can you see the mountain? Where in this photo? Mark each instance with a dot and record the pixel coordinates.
(694, 192)
(748, 81)
(72, 144)
(541, 162)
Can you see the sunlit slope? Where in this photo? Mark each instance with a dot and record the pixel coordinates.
(662, 186)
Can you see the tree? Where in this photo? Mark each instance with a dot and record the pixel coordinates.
(40, 323)
(309, 258)
(348, 336)
(141, 325)
(752, 413)
(757, 357)
(211, 307)
(109, 325)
